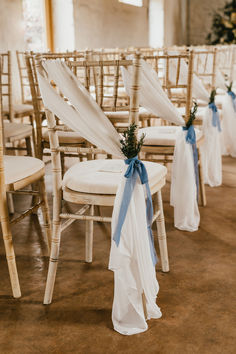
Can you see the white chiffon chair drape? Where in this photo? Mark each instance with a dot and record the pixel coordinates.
(210, 149)
(134, 272)
(183, 184)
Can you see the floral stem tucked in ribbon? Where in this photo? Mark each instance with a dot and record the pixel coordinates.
(233, 96)
(215, 116)
(191, 139)
(135, 168)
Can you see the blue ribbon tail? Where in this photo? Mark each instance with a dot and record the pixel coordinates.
(152, 246)
(233, 96)
(149, 214)
(134, 169)
(128, 190)
(191, 139)
(195, 161)
(215, 116)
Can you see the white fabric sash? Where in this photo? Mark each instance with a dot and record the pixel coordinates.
(183, 194)
(134, 273)
(151, 96)
(183, 184)
(211, 151)
(229, 126)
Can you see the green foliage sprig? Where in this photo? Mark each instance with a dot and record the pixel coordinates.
(130, 145)
(229, 87)
(192, 115)
(212, 96)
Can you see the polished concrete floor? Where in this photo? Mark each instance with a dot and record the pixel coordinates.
(197, 297)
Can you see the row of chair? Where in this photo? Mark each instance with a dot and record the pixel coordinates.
(101, 74)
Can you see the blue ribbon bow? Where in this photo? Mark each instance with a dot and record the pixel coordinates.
(215, 116)
(135, 168)
(233, 96)
(191, 139)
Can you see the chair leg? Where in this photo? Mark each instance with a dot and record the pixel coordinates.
(28, 146)
(10, 254)
(161, 233)
(10, 203)
(89, 237)
(201, 181)
(53, 261)
(45, 212)
(62, 164)
(31, 118)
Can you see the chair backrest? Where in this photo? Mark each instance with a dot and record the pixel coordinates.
(204, 66)
(225, 60)
(24, 80)
(103, 79)
(54, 142)
(6, 84)
(2, 177)
(175, 72)
(39, 111)
(37, 103)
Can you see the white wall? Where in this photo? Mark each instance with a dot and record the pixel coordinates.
(156, 23)
(63, 25)
(175, 14)
(108, 23)
(12, 36)
(201, 13)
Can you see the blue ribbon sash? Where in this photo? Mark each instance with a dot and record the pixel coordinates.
(233, 96)
(191, 139)
(135, 168)
(215, 116)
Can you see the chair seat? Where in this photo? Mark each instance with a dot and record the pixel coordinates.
(124, 115)
(20, 167)
(164, 135)
(19, 109)
(103, 176)
(200, 110)
(13, 131)
(66, 137)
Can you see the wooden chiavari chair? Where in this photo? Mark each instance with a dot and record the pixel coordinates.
(16, 173)
(159, 142)
(96, 192)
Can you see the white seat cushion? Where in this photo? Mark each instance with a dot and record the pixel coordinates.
(124, 115)
(220, 91)
(219, 99)
(17, 130)
(164, 135)
(103, 176)
(66, 137)
(199, 113)
(20, 167)
(201, 103)
(19, 108)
